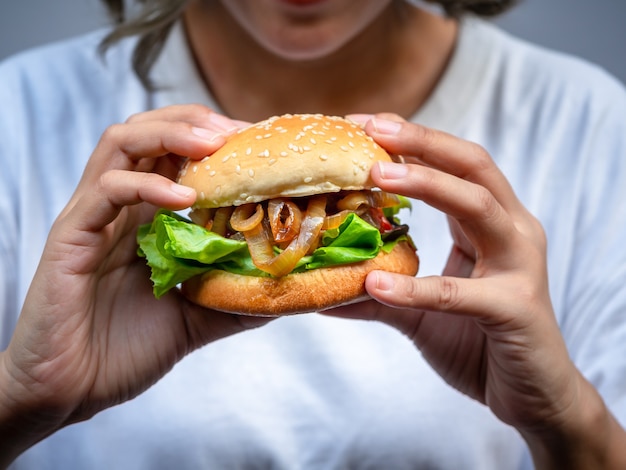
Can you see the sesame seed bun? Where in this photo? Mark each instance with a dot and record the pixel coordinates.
(289, 156)
(309, 291)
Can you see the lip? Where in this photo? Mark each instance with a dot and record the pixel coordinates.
(302, 3)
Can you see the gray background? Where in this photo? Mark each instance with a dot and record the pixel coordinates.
(593, 29)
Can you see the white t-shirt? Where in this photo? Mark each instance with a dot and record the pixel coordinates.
(310, 392)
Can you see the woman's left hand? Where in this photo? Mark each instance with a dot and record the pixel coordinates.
(486, 325)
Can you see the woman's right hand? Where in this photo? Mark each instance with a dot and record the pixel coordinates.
(91, 334)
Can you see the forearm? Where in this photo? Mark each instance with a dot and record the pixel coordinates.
(591, 437)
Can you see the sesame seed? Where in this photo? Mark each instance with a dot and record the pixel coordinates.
(344, 148)
(212, 173)
(284, 154)
(251, 173)
(272, 161)
(238, 169)
(323, 157)
(308, 179)
(248, 150)
(313, 141)
(194, 168)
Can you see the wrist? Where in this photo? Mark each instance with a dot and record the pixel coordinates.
(586, 436)
(21, 424)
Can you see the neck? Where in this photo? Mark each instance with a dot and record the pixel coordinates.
(392, 66)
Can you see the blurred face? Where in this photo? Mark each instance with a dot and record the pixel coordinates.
(304, 29)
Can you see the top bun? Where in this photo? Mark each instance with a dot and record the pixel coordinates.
(290, 155)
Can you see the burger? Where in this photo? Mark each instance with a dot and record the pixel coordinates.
(286, 220)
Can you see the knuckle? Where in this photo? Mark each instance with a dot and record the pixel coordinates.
(447, 297)
(480, 158)
(106, 179)
(134, 118)
(486, 205)
(425, 136)
(112, 133)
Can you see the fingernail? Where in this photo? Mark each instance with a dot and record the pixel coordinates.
(206, 133)
(392, 171)
(184, 191)
(384, 126)
(360, 119)
(223, 122)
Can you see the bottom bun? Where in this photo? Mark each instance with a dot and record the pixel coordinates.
(295, 293)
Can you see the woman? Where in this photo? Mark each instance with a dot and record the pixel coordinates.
(516, 152)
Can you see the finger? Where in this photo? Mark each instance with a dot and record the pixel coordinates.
(195, 114)
(445, 152)
(116, 189)
(446, 294)
(489, 228)
(135, 141)
(136, 146)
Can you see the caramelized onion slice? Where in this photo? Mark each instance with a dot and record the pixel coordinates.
(353, 201)
(383, 199)
(202, 217)
(220, 221)
(260, 246)
(246, 217)
(335, 220)
(357, 200)
(285, 219)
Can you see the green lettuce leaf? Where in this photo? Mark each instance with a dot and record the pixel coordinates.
(176, 249)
